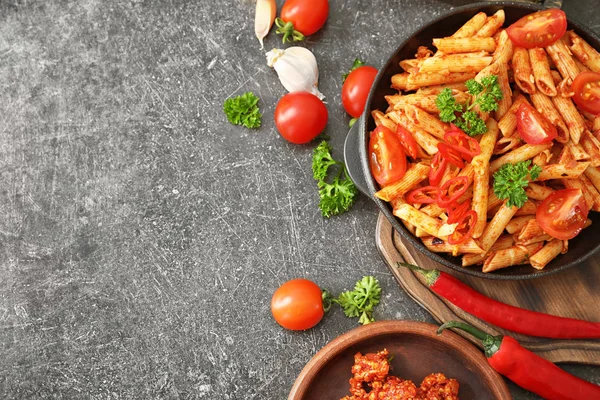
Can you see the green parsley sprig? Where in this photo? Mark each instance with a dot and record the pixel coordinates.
(487, 93)
(339, 195)
(243, 110)
(511, 180)
(360, 301)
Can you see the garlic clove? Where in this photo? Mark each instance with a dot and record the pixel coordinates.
(263, 19)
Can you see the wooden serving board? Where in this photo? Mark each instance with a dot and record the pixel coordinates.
(573, 293)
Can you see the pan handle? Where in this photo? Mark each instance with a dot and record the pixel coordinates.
(352, 158)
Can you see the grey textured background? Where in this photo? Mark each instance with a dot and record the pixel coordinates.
(142, 235)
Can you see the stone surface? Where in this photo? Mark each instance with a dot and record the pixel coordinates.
(141, 234)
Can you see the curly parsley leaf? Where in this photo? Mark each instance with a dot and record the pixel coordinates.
(486, 93)
(357, 63)
(511, 180)
(243, 110)
(337, 194)
(361, 301)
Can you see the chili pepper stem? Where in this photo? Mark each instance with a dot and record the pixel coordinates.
(431, 275)
(491, 344)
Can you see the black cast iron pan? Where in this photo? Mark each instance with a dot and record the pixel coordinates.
(355, 151)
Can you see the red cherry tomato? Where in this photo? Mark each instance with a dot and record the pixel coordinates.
(297, 304)
(423, 195)
(356, 89)
(463, 143)
(586, 86)
(307, 16)
(539, 29)
(563, 214)
(300, 117)
(451, 155)
(407, 141)
(451, 190)
(437, 169)
(533, 127)
(386, 157)
(464, 229)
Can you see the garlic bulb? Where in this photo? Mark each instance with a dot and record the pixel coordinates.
(297, 69)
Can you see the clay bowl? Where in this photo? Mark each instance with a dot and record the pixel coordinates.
(417, 351)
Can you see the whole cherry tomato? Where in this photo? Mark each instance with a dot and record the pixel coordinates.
(539, 29)
(533, 127)
(386, 157)
(356, 89)
(300, 117)
(297, 304)
(307, 16)
(586, 86)
(563, 214)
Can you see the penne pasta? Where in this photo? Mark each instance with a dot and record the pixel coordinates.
(516, 224)
(415, 174)
(471, 26)
(496, 226)
(562, 58)
(504, 50)
(503, 242)
(523, 74)
(522, 153)
(481, 176)
(491, 25)
(571, 116)
(546, 254)
(439, 246)
(465, 45)
(466, 62)
(546, 107)
(425, 121)
(584, 52)
(508, 123)
(421, 79)
(419, 220)
(506, 101)
(508, 257)
(562, 171)
(541, 71)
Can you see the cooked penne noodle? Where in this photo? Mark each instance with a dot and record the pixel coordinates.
(415, 174)
(562, 171)
(516, 224)
(465, 62)
(506, 144)
(424, 102)
(508, 123)
(571, 116)
(508, 257)
(531, 230)
(492, 25)
(496, 226)
(539, 192)
(456, 88)
(562, 58)
(400, 81)
(592, 146)
(421, 79)
(523, 74)
(503, 242)
(471, 26)
(522, 153)
(504, 49)
(546, 254)
(528, 208)
(493, 201)
(411, 65)
(439, 246)
(584, 52)
(577, 152)
(425, 121)
(465, 45)
(419, 220)
(593, 174)
(381, 119)
(590, 194)
(546, 107)
(506, 101)
(481, 176)
(541, 71)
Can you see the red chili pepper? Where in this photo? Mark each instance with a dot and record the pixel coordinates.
(423, 195)
(407, 141)
(451, 155)
(527, 369)
(503, 315)
(437, 169)
(455, 213)
(451, 190)
(465, 145)
(464, 229)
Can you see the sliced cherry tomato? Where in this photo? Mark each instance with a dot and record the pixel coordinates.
(356, 88)
(563, 214)
(463, 143)
(297, 304)
(300, 117)
(407, 141)
(386, 157)
(586, 86)
(464, 229)
(437, 169)
(423, 195)
(534, 127)
(451, 155)
(539, 29)
(451, 190)
(307, 16)
(456, 213)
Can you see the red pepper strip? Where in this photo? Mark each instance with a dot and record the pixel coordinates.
(451, 155)
(503, 315)
(527, 369)
(455, 213)
(423, 195)
(407, 141)
(464, 229)
(451, 190)
(437, 169)
(463, 143)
